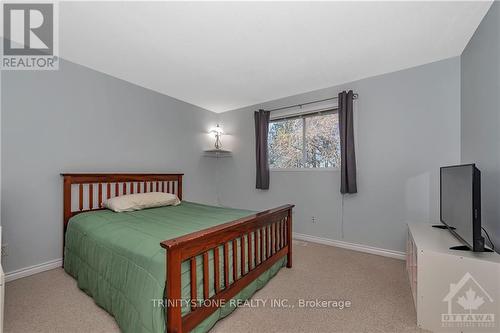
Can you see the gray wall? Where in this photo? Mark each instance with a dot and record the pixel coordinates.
(77, 119)
(480, 116)
(407, 126)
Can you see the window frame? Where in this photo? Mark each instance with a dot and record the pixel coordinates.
(303, 116)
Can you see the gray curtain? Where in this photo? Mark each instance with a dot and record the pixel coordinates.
(347, 154)
(261, 131)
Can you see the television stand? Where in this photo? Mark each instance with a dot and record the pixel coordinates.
(466, 248)
(442, 226)
(440, 276)
(458, 247)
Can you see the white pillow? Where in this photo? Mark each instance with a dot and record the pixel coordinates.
(131, 202)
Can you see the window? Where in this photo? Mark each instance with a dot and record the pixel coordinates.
(305, 141)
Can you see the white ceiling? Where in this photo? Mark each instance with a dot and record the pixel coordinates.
(222, 56)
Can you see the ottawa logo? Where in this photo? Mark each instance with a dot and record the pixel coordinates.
(468, 303)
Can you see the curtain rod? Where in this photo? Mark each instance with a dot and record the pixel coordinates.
(354, 96)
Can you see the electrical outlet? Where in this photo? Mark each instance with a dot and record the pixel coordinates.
(4, 250)
(313, 219)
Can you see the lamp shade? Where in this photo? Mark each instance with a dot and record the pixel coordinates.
(217, 130)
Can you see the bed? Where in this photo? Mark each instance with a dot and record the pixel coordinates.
(175, 268)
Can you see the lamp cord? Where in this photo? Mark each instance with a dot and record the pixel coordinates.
(342, 217)
(489, 239)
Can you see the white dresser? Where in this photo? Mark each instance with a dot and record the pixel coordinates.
(453, 291)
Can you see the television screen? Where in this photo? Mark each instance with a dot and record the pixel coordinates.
(460, 203)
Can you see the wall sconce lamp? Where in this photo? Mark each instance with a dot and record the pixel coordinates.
(218, 133)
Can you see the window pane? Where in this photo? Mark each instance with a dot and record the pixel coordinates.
(285, 144)
(322, 141)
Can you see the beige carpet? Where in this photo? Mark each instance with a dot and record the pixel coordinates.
(376, 286)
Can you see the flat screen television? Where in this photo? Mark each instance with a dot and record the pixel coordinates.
(461, 205)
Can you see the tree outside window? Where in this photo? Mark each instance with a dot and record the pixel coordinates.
(308, 141)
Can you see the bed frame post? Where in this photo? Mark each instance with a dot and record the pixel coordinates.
(67, 201)
(179, 187)
(173, 300)
(289, 239)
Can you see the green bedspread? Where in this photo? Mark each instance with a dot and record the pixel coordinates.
(117, 259)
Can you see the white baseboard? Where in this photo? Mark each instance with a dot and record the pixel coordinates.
(351, 246)
(27, 271)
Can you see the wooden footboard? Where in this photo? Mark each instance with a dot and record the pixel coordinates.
(263, 239)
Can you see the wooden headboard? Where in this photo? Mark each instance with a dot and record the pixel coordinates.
(84, 192)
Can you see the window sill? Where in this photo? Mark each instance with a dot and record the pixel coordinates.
(305, 169)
